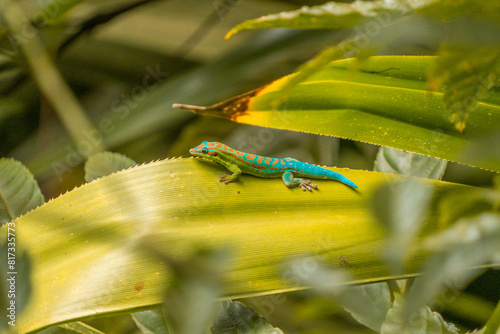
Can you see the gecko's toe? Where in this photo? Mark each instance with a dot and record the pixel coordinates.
(307, 185)
(223, 178)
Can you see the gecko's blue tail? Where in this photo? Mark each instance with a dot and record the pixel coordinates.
(341, 178)
(308, 170)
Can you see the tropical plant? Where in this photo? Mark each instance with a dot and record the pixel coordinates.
(163, 241)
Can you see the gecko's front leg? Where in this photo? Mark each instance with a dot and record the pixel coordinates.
(233, 177)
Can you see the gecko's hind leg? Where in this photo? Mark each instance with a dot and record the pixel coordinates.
(291, 181)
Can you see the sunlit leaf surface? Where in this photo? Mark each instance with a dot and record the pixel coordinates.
(92, 259)
(386, 102)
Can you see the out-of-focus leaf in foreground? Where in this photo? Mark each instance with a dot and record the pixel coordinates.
(86, 246)
(19, 191)
(195, 286)
(401, 208)
(468, 75)
(367, 303)
(470, 243)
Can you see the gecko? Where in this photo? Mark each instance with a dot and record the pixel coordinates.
(288, 169)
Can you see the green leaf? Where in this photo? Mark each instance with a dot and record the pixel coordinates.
(395, 161)
(332, 15)
(90, 246)
(105, 163)
(467, 75)
(19, 191)
(80, 327)
(470, 63)
(367, 303)
(471, 242)
(236, 318)
(151, 321)
(423, 320)
(493, 324)
(386, 103)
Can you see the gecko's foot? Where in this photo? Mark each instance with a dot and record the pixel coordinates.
(307, 185)
(224, 178)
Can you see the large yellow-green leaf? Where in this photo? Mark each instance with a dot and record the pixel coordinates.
(87, 246)
(386, 102)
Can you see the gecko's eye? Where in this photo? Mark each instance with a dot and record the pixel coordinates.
(204, 151)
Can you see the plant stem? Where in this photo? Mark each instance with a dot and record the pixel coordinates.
(48, 78)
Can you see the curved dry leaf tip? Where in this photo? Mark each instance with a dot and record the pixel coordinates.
(190, 107)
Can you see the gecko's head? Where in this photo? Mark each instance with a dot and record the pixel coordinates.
(205, 150)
